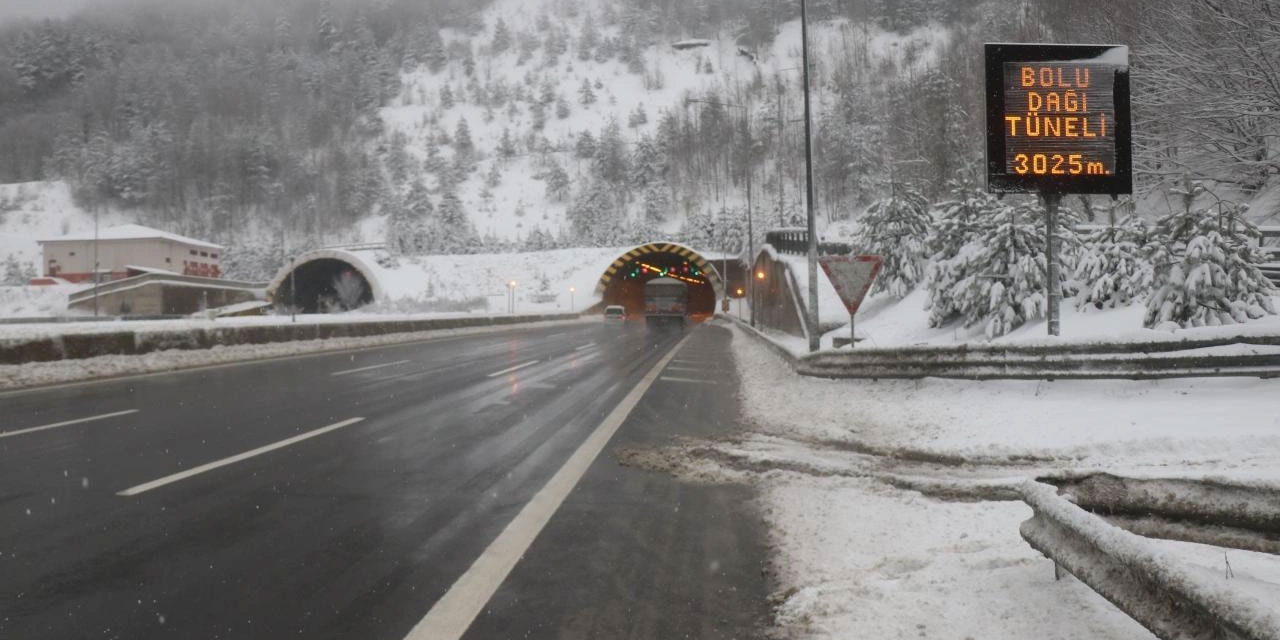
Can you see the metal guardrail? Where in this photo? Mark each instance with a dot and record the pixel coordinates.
(796, 242)
(1094, 360)
(1128, 361)
(1152, 588)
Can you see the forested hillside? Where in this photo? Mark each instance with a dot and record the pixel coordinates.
(452, 126)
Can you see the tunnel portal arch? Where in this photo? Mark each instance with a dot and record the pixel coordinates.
(317, 274)
(622, 282)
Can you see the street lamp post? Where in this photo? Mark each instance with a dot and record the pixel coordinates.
(814, 338)
(95, 262)
(511, 297)
(571, 305)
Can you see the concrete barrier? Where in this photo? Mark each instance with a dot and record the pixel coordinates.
(74, 346)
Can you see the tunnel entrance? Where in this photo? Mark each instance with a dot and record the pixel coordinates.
(623, 283)
(324, 285)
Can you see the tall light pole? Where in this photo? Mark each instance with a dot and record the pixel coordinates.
(814, 338)
(571, 292)
(95, 262)
(511, 297)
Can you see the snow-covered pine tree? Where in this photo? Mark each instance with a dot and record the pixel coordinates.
(562, 108)
(558, 182)
(13, 275)
(638, 117)
(585, 146)
(1111, 270)
(494, 177)
(956, 222)
(896, 228)
(462, 137)
(506, 144)
(446, 97)
(1206, 265)
(501, 36)
(1001, 275)
(586, 95)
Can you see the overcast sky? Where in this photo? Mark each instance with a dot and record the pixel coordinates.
(16, 9)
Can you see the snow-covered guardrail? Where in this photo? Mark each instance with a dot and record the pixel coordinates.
(1231, 356)
(1153, 587)
(71, 346)
(1239, 515)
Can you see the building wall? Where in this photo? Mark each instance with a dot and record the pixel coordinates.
(73, 259)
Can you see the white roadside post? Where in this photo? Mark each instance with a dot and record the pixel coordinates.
(571, 305)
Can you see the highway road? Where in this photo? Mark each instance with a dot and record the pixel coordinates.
(455, 486)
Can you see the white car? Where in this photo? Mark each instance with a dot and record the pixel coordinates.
(615, 313)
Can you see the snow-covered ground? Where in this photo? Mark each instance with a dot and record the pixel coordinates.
(858, 559)
(859, 480)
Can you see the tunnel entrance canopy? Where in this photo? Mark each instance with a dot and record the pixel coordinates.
(325, 284)
(623, 282)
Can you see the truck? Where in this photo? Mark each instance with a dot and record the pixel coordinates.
(666, 302)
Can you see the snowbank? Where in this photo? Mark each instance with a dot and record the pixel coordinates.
(1087, 424)
(856, 559)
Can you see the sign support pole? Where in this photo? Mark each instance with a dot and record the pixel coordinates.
(1051, 200)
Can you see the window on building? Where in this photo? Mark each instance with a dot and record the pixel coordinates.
(214, 256)
(204, 254)
(193, 252)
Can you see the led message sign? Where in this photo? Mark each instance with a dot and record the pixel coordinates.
(1058, 118)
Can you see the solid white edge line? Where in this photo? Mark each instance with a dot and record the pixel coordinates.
(451, 615)
(510, 369)
(6, 434)
(585, 346)
(693, 380)
(372, 366)
(209, 466)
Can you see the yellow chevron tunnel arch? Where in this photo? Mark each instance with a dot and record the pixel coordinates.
(705, 266)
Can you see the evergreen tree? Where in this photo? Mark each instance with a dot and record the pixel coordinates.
(638, 117)
(585, 146)
(611, 154)
(896, 229)
(462, 137)
(999, 277)
(539, 113)
(506, 145)
(1112, 270)
(657, 204)
(446, 97)
(558, 182)
(494, 177)
(562, 108)
(13, 275)
(501, 36)
(1206, 265)
(586, 95)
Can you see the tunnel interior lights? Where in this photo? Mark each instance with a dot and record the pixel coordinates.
(669, 273)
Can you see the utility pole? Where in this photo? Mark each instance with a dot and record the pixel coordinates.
(782, 217)
(814, 338)
(95, 261)
(751, 257)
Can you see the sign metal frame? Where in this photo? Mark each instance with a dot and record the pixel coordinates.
(999, 180)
